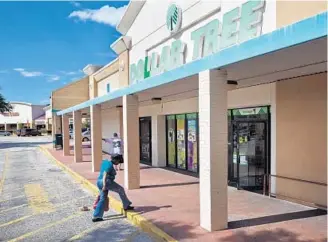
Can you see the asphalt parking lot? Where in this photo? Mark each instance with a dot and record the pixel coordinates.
(39, 202)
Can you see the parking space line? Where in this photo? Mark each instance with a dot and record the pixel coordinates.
(12, 208)
(24, 236)
(87, 231)
(55, 205)
(5, 167)
(6, 200)
(15, 221)
(38, 198)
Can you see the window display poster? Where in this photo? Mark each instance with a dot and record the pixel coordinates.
(192, 146)
(171, 142)
(181, 145)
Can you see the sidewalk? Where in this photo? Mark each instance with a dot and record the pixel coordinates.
(171, 202)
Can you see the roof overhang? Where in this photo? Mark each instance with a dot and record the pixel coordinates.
(121, 44)
(90, 69)
(129, 16)
(295, 38)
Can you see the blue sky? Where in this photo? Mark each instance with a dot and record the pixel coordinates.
(45, 45)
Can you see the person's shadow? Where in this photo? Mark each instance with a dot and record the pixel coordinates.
(146, 209)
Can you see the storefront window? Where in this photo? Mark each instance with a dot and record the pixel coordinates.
(171, 141)
(192, 142)
(181, 141)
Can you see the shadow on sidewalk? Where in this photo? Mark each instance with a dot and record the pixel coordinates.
(146, 209)
(275, 218)
(268, 236)
(169, 185)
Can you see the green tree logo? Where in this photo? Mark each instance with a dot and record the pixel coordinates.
(173, 18)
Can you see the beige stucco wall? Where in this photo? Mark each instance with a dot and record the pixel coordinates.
(71, 94)
(114, 82)
(124, 70)
(110, 124)
(260, 95)
(289, 12)
(301, 109)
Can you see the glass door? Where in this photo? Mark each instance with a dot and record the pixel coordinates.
(250, 155)
(145, 139)
(192, 137)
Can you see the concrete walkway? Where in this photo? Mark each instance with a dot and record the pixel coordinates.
(40, 202)
(171, 201)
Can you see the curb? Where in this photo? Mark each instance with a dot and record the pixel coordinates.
(133, 217)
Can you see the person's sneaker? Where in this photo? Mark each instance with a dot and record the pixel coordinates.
(97, 220)
(129, 208)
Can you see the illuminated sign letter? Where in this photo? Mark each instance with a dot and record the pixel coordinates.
(154, 69)
(251, 20)
(133, 73)
(198, 37)
(177, 54)
(164, 64)
(211, 38)
(229, 28)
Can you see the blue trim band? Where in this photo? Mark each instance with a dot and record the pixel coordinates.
(298, 33)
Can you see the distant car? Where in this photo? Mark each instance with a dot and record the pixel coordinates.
(4, 133)
(30, 132)
(86, 136)
(18, 132)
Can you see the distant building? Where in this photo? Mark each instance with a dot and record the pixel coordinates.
(23, 115)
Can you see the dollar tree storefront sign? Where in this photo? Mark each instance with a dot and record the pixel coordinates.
(238, 25)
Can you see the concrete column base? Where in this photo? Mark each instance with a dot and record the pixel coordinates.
(96, 135)
(66, 148)
(158, 137)
(131, 142)
(77, 124)
(213, 150)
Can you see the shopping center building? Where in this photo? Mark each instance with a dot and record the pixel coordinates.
(232, 92)
(23, 115)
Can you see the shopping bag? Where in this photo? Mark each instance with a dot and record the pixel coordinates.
(106, 205)
(96, 202)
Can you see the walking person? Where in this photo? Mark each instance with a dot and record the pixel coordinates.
(106, 182)
(116, 149)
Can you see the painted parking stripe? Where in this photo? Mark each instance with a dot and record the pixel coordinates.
(13, 208)
(15, 221)
(3, 176)
(38, 198)
(12, 198)
(24, 236)
(87, 231)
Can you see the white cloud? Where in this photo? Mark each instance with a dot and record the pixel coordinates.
(75, 4)
(25, 73)
(105, 15)
(70, 73)
(45, 101)
(53, 78)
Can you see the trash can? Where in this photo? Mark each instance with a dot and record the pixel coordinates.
(59, 140)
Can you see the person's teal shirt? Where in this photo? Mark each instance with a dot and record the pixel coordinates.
(106, 166)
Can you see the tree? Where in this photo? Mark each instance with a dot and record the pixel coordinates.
(4, 105)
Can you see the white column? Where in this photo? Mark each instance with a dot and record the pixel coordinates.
(66, 149)
(96, 142)
(213, 150)
(120, 119)
(131, 142)
(77, 124)
(158, 137)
